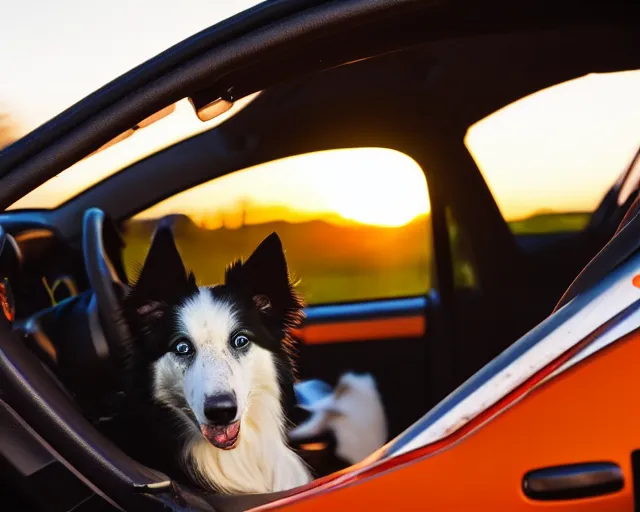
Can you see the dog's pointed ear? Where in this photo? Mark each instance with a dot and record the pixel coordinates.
(162, 278)
(265, 276)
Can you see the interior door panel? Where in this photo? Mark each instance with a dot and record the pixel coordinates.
(387, 338)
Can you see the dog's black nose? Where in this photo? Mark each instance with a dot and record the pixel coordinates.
(221, 409)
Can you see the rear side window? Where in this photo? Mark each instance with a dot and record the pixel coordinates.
(550, 158)
(355, 223)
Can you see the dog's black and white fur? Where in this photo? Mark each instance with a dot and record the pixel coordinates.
(214, 371)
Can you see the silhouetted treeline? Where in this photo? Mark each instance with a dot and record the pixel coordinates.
(7, 130)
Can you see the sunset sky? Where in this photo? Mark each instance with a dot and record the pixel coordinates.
(53, 53)
(367, 185)
(558, 149)
(562, 147)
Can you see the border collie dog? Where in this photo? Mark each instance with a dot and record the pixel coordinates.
(214, 371)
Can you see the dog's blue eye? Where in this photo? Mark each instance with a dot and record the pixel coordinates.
(183, 348)
(240, 341)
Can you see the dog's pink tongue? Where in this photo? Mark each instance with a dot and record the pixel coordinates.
(228, 433)
(221, 434)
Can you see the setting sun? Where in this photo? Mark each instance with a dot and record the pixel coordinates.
(374, 186)
(371, 186)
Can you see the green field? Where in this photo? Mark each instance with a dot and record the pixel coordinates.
(332, 263)
(543, 223)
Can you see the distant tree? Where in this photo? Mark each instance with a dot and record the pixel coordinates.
(7, 130)
(244, 205)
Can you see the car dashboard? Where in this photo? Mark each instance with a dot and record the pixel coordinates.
(49, 271)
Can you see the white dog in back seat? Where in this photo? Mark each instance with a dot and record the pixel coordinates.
(353, 412)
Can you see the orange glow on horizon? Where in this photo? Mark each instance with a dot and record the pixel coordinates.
(372, 186)
(561, 148)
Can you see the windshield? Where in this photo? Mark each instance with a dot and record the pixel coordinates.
(52, 54)
(176, 123)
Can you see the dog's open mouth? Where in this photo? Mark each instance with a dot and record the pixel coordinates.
(224, 437)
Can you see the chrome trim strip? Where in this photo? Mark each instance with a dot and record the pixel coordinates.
(340, 311)
(621, 327)
(558, 333)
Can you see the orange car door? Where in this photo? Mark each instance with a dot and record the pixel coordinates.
(574, 434)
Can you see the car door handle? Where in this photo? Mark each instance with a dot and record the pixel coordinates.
(573, 481)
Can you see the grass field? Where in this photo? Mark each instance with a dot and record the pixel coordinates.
(543, 223)
(333, 263)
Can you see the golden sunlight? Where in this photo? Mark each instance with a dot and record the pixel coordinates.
(561, 148)
(372, 186)
(378, 186)
(556, 150)
(180, 124)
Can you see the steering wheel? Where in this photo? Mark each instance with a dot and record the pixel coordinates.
(107, 286)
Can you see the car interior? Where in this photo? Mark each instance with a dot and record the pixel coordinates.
(65, 347)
